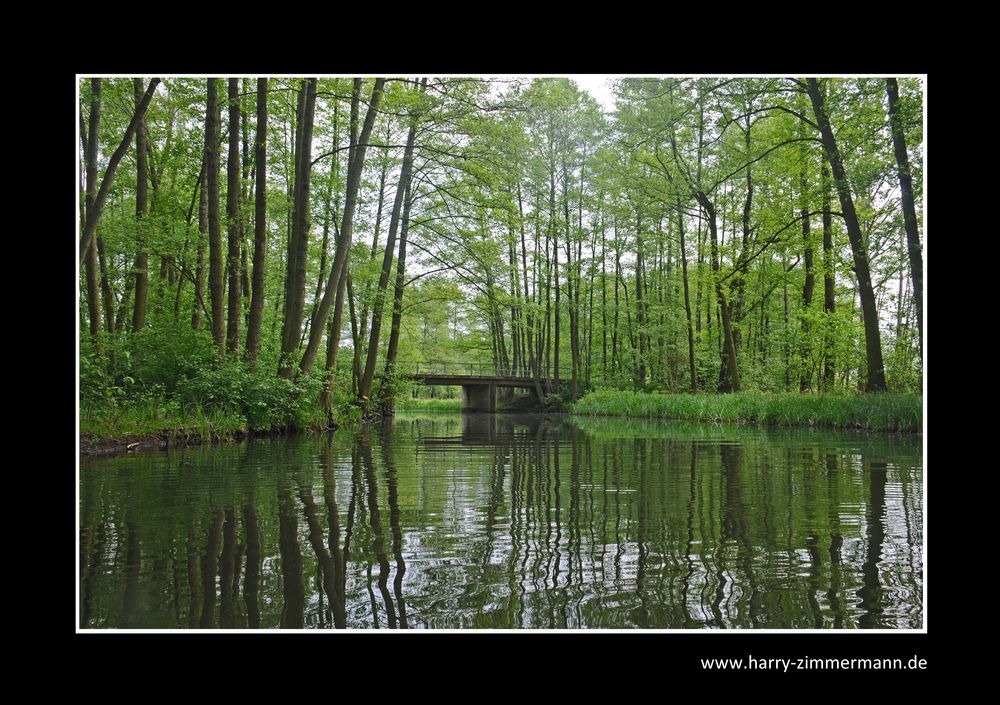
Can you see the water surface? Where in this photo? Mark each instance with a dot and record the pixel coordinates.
(485, 521)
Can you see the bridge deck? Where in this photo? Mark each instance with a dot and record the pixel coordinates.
(463, 380)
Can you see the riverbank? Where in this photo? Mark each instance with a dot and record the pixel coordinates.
(108, 444)
(142, 427)
(901, 413)
(93, 445)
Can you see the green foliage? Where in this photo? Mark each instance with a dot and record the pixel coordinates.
(265, 400)
(387, 390)
(166, 355)
(95, 386)
(176, 369)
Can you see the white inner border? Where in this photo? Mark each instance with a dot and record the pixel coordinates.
(76, 274)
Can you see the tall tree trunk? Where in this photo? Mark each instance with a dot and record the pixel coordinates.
(731, 381)
(909, 207)
(529, 297)
(259, 226)
(406, 170)
(687, 302)
(554, 234)
(805, 353)
(582, 346)
(182, 266)
(247, 160)
(899, 292)
(614, 325)
(397, 294)
(604, 304)
(640, 308)
(345, 280)
(90, 149)
(355, 335)
(693, 372)
(95, 257)
(168, 268)
(94, 298)
(873, 345)
(91, 145)
(515, 299)
(572, 290)
(199, 277)
(123, 315)
(829, 279)
(738, 287)
(360, 349)
(298, 248)
(141, 196)
(547, 335)
(106, 297)
(336, 284)
(786, 345)
(325, 244)
(333, 345)
(701, 249)
(216, 280)
(233, 186)
(199, 187)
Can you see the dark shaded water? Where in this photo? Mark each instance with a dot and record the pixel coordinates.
(509, 522)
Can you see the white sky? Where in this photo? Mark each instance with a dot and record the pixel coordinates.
(599, 88)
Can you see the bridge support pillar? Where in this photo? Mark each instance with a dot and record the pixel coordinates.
(479, 397)
(533, 395)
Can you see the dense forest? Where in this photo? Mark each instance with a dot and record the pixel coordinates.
(283, 249)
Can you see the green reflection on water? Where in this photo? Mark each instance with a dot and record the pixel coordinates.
(483, 521)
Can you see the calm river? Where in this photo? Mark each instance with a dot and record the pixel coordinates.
(482, 521)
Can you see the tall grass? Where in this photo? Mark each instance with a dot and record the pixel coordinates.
(410, 404)
(873, 412)
(147, 418)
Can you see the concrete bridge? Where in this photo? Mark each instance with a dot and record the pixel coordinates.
(480, 383)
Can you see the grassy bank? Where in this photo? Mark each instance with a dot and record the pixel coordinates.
(149, 419)
(410, 404)
(873, 412)
(108, 426)
(116, 423)
(112, 425)
(141, 428)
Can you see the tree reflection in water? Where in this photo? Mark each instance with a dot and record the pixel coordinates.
(485, 521)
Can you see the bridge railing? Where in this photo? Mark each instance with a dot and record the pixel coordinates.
(473, 369)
